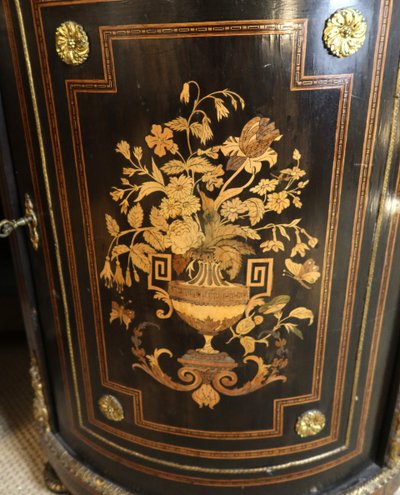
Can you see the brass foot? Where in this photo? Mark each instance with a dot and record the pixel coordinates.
(52, 481)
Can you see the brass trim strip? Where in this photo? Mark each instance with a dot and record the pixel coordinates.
(375, 247)
(43, 160)
(82, 474)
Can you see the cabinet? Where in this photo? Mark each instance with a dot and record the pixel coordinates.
(213, 303)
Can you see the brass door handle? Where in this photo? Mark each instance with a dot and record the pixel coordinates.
(29, 220)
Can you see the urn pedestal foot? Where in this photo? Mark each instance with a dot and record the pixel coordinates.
(207, 348)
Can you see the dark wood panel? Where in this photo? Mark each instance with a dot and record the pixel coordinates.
(222, 150)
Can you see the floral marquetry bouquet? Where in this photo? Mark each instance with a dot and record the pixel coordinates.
(206, 207)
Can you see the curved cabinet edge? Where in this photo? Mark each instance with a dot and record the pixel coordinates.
(80, 480)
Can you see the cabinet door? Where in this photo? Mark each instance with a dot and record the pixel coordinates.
(213, 187)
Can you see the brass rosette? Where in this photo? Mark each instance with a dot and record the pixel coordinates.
(72, 43)
(310, 423)
(111, 408)
(345, 32)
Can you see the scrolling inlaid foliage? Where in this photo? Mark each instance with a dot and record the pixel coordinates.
(213, 208)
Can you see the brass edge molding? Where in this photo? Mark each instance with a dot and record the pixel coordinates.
(371, 486)
(65, 461)
(72, 43)
(374, 252)
(345, 32)
(393, 451)
(53, 224)
(40, 411)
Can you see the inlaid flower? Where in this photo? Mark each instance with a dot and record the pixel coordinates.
(213, 179)
(161, 140)
(72, 44)
(232, 209)
(190, 206)
(107, 273)
(264, 186)
(294, 173)
(124, 148)
(300, 248)
(278, 201)
(253, 147)
(345, 32)
(183, 235)
(179, 188)
(272, 245)
(170, 208)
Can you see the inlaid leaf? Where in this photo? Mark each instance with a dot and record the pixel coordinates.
(230, 146)
(200, 165)
(229, 231)
(283, 232)
(230, 259)
(129, 171)
(256, 210)
(292, 328)
(155, 239)
(196, 129)
(178, 124)
(302, 314)
(250, 233)
(274, 305)
(139, 256)
(242, 247)
(210, 152)
(296, 154)
(157, 220)
(112, 225)
(135, 216)
(207, 204)
(245, 326)
(148, 188)
(158, 176)
(174, 167)
(254, 303)
(248, 344)
(118, 250)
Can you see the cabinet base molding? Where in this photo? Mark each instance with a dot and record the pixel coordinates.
(75, 476)
(80, 480)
